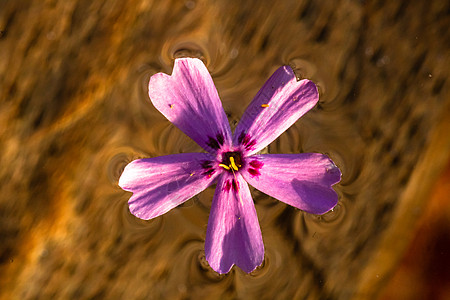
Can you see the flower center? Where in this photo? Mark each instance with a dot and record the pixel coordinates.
(231, 161)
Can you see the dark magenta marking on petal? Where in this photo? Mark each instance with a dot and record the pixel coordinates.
(250, 145)
(206, 164)
(208, 168)
(235, 185)
(254, 172)
(227, 186)
(241, 137)
(245, 140)
(256, 164)
(220, 138)
(231, 184)
(209, 172)
(213, 143)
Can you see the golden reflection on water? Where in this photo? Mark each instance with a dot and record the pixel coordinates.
(76, 111)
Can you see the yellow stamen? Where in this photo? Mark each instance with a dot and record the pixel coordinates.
(171, 105)
(232, 164)
(264, 105)
(224, 166)
(192, 174)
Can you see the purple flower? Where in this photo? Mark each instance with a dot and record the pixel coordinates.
(189, 99)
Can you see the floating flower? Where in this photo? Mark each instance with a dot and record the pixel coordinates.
(189, 99)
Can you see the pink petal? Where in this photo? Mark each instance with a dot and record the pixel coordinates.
(233, 235)
(300, 180)
(162, 183)
(287, 100)
(189, 99)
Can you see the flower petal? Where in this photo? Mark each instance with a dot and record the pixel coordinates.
(189, 99)
(279, 104)
(162, 183)
(233, 235)
(301, 180)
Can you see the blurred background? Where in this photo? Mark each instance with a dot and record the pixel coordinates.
(74, 111)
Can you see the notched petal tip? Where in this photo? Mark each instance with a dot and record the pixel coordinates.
(335, 176)
(188, 60)
(233, 234)
(189, 99)
(332, 202)
(247, 270)
(335, 172)
(127, 175)
(279, 103)
(161, 183)
(221, 270)
(138, 213)
(301, 180)
(308, 89)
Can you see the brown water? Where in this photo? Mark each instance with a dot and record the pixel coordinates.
(75, 110)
